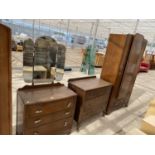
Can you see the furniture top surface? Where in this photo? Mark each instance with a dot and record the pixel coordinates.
(90, 83)
(36, 68)
(45, 94)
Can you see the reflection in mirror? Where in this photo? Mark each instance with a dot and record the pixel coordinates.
(28, 60)
(43, 60)
(60, 65)
(45, 57)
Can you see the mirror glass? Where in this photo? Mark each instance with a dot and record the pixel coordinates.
(43, 60)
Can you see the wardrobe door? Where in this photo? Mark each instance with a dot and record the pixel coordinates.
(132, 66)
(5, 81)
(117, 53)
(116, 57)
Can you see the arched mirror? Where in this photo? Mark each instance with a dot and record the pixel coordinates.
(43, 61)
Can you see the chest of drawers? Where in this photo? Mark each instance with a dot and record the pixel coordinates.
(45, 109)
(93, 95)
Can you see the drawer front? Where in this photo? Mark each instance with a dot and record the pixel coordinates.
(41, 120)
(92, 107)
(97, 92)
(57, 132)
(57, 127)
(47, 108)
(95, 104)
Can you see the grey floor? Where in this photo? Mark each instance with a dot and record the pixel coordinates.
(119, 122)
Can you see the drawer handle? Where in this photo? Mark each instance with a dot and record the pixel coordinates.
(69, 105)
(37, 121)
(36, 133)
(67, 113)
(38, 111)
(66, 123)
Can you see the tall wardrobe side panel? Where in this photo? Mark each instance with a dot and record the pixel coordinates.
(5, 81)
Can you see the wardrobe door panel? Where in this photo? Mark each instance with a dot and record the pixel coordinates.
(132, 67)
(116, 55)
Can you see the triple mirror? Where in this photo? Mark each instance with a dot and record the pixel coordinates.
(43, 60)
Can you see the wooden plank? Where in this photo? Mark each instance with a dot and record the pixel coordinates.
(151, 108)
(148, 125)
(150, 111)
(135, 131)
(152, 103)
(5, 81)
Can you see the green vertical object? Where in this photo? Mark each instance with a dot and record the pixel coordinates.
(91, 70)
(89, 57)
(89, 60)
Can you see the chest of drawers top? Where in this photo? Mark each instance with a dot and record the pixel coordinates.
(89, 83)
(44, 93)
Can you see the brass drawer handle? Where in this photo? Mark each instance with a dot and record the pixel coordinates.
(37, 121)
(69, 105)
(66, 123)
(38, 111)
(67, 113)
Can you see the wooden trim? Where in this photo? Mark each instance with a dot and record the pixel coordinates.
(40, 86)
(81, 78)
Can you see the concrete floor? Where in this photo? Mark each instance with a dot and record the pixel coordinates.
(118, 122)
